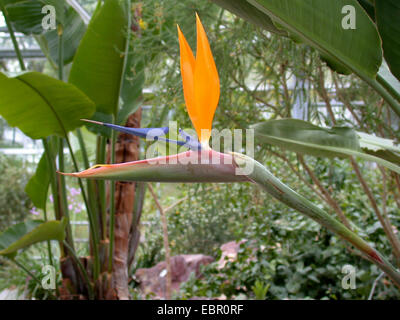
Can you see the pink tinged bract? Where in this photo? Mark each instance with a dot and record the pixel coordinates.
(190, 166)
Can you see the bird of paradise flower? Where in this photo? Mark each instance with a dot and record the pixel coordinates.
(201, 90)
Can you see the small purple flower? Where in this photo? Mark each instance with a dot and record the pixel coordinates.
(34, 211)
(75, 192)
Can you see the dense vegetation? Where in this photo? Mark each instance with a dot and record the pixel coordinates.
(263, 76)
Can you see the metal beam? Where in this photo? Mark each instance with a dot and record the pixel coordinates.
(28, 53)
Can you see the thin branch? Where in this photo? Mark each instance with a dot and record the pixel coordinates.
(371, 294)
(332, 202)
(168, 286)
(387, 227)
(298, 173)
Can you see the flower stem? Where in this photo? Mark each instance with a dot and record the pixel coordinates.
(267, 181)
(112, 202)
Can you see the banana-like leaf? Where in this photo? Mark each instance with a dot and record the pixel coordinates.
(73, 30)
(369, 7)
(99, 61)
(389, 81)
(246, 11)
(368, 141)
(38, 184)
(42, 106)
(388, 21)
(190, 166)
(306, 138)
(26, 16)
(380, 147)
(24, 234)
(132, 86)
(319, 24)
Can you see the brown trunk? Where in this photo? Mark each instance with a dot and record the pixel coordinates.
(127, 149)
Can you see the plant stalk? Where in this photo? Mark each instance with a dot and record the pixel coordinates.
(89, 285)
(112, 203)
(386, 95)
(267, 181)
(388, 87)
(60, 52)
(13, 38)
(168, 286)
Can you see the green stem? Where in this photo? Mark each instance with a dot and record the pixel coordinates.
(388, 87)
(48, 241)
(53, 183)
(83, 148)
(63, 190)
(112, 203)
(93, 233)
(82, 269)
(267, 181)
(393, 103)
(90, 188)
(20, 265)
(92, 224)
(13, 38)
(60, 52)
(101, 158)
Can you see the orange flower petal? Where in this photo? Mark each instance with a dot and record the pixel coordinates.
(187, 72)
(206, 84)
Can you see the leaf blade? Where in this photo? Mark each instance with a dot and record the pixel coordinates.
(318, 23)
(27, 233)
(100, 77)
(306, 138)
(49, 106)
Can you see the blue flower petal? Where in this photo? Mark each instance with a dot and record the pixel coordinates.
(154, 134)
(146, 133)
(191, 142)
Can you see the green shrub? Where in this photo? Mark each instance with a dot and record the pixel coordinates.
(14, 203)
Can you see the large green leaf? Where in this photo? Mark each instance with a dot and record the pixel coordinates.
(246, 11)
(388, 21)
(306, 138)
(73, 31)
(132, 86)
(38, 184)
(390, 82)
(42, 106)
(373, 143)
(98, 64)
(319, 24)
(383, 148)
(26, 16)
(24, 234)
(369, 7)
(8, 2)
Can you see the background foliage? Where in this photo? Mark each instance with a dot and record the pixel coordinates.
(263, 76)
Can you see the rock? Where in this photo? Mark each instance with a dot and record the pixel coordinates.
(229, 252)
(153, 280)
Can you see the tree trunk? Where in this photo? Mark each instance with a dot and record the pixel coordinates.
(127, 149)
